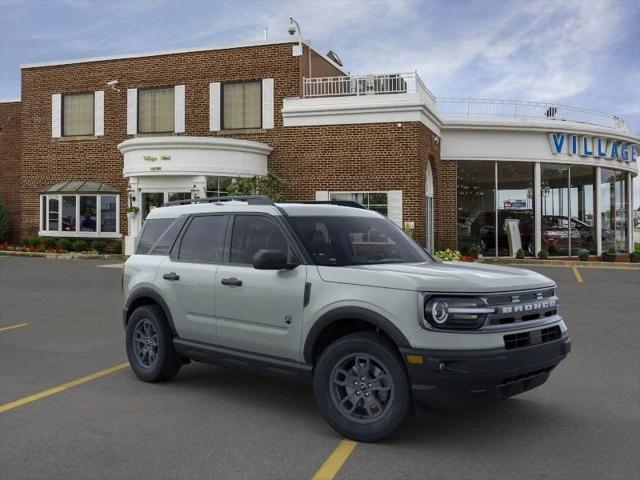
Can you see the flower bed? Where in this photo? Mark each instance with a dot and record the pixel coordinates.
(50, 245)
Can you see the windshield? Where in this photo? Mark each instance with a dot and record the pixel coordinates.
(344, 241)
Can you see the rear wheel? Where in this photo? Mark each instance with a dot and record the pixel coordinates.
(361, 387)
(150, 345)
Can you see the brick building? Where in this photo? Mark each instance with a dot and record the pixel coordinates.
(91, 137)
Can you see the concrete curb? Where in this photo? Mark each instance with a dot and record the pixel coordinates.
(64, 256)
(560, 263)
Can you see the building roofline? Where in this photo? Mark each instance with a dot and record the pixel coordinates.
(157, 53)
(175, 52)
(10, 100)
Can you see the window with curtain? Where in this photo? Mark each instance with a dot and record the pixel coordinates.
(242, 105)
(77, 114)
(156, 110)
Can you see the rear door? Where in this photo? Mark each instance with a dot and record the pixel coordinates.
(187, 277)
(259, 311)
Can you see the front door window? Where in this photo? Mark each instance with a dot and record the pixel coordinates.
(151, 200)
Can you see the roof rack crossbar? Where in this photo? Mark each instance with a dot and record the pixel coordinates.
(342, 203)
(250, 199)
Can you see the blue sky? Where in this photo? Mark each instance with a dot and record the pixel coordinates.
(578, 52)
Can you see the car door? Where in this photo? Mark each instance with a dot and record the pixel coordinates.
(259, 311)
(187, 277)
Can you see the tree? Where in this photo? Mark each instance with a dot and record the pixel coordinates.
(4, 223)
(269, 185)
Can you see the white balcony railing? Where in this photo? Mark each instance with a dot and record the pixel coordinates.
(520, 108)
(356, 85)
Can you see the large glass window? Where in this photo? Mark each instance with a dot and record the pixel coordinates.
(516, 221)
(554, 189)
(203, 241)
(614, 210)
(582, 209)
(88, 212)
(108, 218)
(218, 186)
(476, 206)
(77, 114)
(151, 200)
(156, 110)
(69, 213)
(77, 214)
(242, 105)
(376, 201)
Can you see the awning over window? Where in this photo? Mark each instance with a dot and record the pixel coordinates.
(80, 186)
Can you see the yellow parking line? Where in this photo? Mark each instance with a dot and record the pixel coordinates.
(60, 388)
(11, 327)
(334, 463)
(576, 273)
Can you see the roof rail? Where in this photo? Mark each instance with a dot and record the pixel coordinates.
(342, 203)
(250, 199)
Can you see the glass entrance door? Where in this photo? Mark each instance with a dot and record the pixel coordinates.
(151, 200)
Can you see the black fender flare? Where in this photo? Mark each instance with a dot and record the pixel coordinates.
(147, 292)
(352, 313)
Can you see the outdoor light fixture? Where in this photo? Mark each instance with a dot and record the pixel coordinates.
(132, 198)
(297, 49)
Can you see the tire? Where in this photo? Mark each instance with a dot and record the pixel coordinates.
(150, 345)
(382, 405)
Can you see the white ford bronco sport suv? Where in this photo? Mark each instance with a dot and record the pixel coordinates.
(338, 296)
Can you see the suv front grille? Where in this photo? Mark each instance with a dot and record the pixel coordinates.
(522, 307)
(534, 337)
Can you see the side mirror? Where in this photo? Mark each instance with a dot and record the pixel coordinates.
(272, 260)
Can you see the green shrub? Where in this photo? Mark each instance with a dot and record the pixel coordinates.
(79, 245)
(449, 255)
(65, 244)
(583, 254)
(27, 242)
(48, 242)
(98, 246)
(114, 247)
(611, 250)
(474, 251)
(543, 254)
(634, 257)
(520, 253)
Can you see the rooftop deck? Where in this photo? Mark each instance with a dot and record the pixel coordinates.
(410, 83)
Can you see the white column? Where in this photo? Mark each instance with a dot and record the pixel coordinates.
(598, 212)
(537, 200)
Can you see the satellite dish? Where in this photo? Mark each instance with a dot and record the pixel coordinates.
(334, 57)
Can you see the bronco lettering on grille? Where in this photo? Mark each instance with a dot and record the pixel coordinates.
(528, 307)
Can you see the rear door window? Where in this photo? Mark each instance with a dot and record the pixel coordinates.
(151, 232)
(255, 232)
(203, 240)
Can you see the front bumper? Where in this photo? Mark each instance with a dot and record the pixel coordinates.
(449, 379)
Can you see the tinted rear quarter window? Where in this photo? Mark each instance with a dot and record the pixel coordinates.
(151, 232)
(203, 240)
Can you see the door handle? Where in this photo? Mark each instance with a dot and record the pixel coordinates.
(173, 276)
(231, 282)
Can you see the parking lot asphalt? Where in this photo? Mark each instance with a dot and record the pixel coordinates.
(210, 422)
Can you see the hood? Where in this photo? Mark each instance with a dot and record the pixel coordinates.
(450, 277)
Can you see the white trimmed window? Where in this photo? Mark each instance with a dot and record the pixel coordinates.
(78, 114)
(65, 212)
(388, 203)
(156, 110)
(242, 105)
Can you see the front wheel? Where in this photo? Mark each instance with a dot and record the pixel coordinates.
(361, 387)
(150, 345)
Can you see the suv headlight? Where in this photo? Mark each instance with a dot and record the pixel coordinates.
(450, 313)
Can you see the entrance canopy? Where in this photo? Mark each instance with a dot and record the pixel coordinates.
(80, 186)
